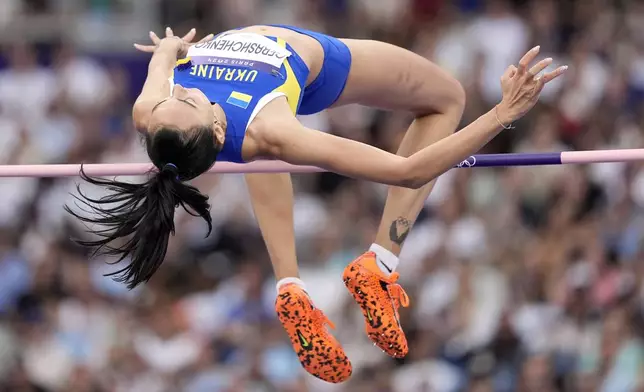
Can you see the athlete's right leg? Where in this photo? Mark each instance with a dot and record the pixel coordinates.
(318, 351)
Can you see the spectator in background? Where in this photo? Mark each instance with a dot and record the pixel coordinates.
(26, 89)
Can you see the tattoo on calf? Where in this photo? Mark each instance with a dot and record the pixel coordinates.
(399, 229)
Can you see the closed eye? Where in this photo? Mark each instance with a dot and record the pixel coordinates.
(186, 101)
(157, 105)
(189, 101)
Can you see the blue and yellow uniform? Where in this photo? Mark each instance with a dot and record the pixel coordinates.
(242, 72)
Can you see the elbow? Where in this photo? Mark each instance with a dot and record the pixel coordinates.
(140, 116)
(412, 183)
(410, 177)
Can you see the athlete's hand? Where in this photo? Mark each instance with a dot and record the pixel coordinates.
(182, 46)
(521, 86)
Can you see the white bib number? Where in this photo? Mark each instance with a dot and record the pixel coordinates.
(240, 49)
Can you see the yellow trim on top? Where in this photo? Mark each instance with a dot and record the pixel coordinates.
(291, 87)
(179, 62)
(182, 61)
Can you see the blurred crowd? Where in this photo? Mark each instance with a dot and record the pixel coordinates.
(521, 279)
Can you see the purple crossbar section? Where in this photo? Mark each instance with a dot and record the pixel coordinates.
(492, 160)
(484, 160)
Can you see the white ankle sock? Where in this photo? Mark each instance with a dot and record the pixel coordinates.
(286, 281)
(387, 261)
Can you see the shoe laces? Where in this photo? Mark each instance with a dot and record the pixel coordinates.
(396, 292)
(319, 317)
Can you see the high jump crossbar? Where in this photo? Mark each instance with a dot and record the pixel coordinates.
(483, 160)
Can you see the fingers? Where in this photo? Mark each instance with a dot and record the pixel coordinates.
(543, 79)
(527, 59)
(190, 36)
(540, 66)
(155, 38)
(145, 48)
(513, 71)
(509, 73)
(169, 34)
(553, 75)
(209, 37)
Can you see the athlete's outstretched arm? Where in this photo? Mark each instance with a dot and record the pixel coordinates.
(165, 51)
(298, 145)
(272, 199)
(287, 140)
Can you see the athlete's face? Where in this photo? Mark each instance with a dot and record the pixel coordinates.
(186, 108)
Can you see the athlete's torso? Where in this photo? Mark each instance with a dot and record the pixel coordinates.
(242, 71)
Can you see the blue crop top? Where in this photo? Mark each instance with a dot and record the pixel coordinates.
(242, 72)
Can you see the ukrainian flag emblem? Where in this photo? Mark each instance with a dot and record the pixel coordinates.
(239, 99)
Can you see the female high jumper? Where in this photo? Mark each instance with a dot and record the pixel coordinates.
(233, 97)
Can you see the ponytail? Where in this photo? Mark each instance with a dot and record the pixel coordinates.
(143, 216)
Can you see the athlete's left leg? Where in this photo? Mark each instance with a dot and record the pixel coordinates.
(389, 77)
(392, 78)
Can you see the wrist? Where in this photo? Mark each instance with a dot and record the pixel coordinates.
(503, 116)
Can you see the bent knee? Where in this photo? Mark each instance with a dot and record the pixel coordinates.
(458, 94)
(449, 99)
(454, 97)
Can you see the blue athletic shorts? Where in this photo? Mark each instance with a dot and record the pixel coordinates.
(329, 84)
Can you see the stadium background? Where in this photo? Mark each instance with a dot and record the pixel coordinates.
(521, 279)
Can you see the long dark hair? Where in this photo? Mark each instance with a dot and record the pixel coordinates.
(141, 216)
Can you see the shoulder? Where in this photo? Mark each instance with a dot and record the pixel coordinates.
(273, 126)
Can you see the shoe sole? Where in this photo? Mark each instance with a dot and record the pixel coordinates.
(320, 357)
(352, 278)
